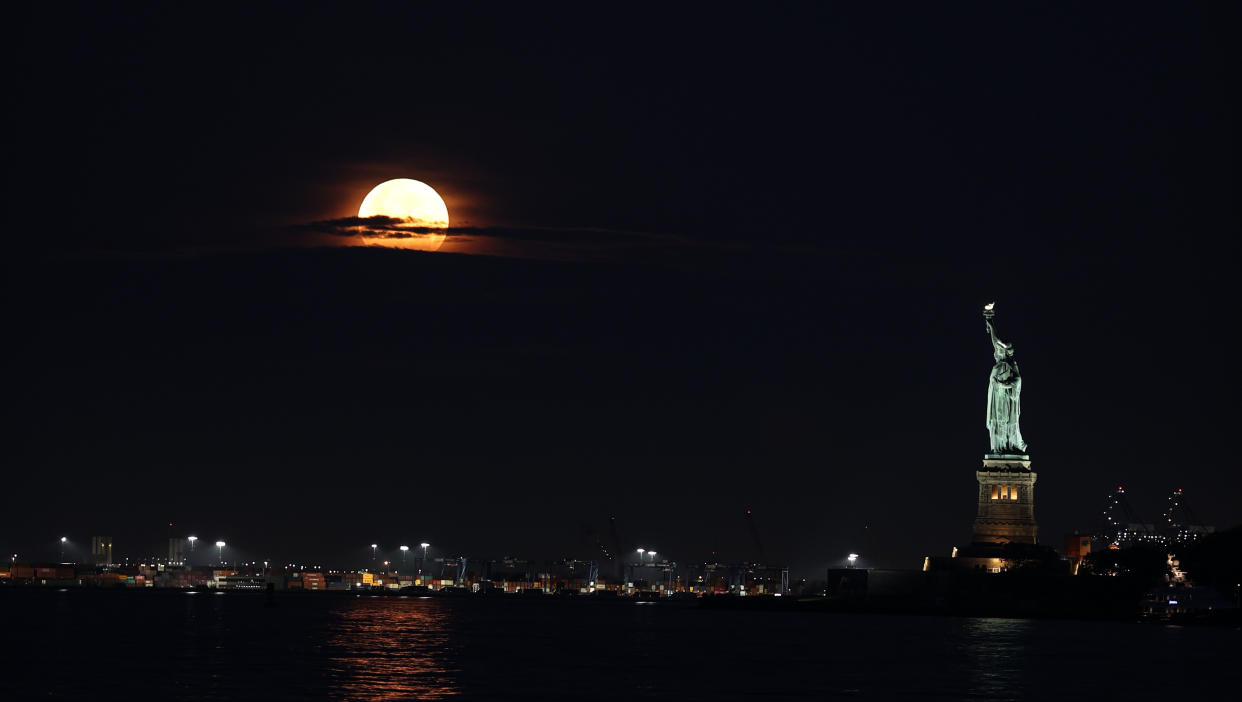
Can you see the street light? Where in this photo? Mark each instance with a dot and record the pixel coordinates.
(63, 539)
(652, 554)
(403, 550)
(220, 552)
(420, 562)
(641, 551)
(373, 547)
(853, 558)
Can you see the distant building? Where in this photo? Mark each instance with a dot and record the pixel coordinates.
(1077, 546)
(101, 550)
(358, 580)
(176, 551)
(240, 582)
(511, 575)
(570, 575)
(874, 584)
(173, 576)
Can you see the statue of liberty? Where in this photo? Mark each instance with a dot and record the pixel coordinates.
(1004, 389)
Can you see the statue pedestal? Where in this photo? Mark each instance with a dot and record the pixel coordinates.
(1006, 501)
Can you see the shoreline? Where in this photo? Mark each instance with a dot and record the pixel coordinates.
(812, 605)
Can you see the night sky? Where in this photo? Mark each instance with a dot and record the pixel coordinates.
(707, 260)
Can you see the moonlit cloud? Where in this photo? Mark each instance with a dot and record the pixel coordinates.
(521, 242)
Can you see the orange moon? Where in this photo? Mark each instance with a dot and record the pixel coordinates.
(413, 202)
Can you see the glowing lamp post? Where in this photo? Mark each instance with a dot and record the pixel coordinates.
(373, 547)
(853, 559)
(652, 554)
(641, 551)
(220, 552)
(420, 562)
(403, 551)
(63, 539)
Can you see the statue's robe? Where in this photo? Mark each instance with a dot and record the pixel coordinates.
(1004, 408)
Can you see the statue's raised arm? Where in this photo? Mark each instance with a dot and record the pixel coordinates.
(988, 313)
(1004, 392)
(999, 348)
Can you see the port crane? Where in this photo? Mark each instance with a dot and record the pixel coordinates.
(754, 532)
(1120, 524)
(1180, 524)
(616, 546)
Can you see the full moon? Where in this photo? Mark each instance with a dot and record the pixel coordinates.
(413, 202)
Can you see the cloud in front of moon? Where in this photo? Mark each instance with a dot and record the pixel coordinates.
(416, 205)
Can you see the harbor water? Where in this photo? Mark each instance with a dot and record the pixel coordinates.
(84, 644)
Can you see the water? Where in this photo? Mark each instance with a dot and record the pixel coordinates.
(82, 644)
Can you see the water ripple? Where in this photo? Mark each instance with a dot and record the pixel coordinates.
(381, 649)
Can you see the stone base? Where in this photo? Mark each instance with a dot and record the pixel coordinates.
(1006, 501)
